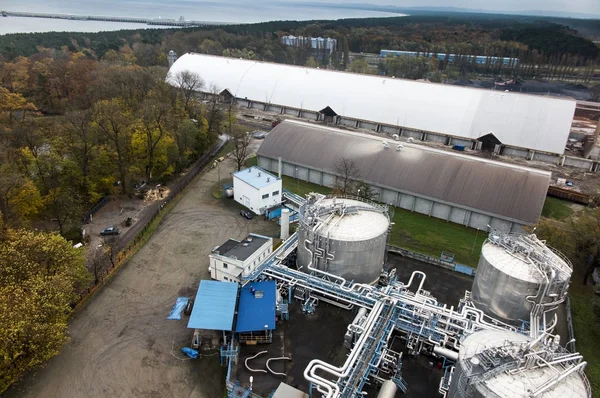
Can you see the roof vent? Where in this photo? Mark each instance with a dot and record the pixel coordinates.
(410, 139)
(249, 239)
(399, 146)
(385, 144)
(245, 244)
(396, 137)
(268, 179)
(250, 170)
(259, 173)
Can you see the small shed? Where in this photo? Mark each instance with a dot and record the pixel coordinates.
(256, 312)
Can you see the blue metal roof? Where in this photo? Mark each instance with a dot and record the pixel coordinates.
(214, 306)
(256, 177)
(254, 313)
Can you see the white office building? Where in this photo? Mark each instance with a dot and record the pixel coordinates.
(257, 189)
(235, 259)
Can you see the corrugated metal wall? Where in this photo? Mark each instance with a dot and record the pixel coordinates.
(404, 200)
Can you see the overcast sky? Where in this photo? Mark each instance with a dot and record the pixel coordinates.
(573, 6)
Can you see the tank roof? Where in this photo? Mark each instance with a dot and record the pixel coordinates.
(524, 257)
(500, 367)
(355, 220)
(520, 385)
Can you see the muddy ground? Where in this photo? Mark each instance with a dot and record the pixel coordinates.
(122, 344)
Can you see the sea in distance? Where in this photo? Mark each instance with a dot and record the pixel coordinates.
(227, 11)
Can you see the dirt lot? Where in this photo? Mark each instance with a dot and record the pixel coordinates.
(121, 341)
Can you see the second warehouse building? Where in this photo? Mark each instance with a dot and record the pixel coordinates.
(463, 189)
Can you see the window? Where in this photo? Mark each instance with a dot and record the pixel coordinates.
(275, 193)
(225, 278)
(224, 266)
(265, 196)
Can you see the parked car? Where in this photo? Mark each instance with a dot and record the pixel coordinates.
(246, 214)
(259, 134)
(110, 231)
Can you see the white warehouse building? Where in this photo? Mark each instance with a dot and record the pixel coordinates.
(513, 124)
(235, 259)
(257, 189)
(459, 188)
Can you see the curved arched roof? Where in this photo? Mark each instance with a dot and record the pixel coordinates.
(520, 120)
(511, 192)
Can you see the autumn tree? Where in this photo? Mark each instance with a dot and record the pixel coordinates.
(406, 67)
(81, 141)
(359, 65)
(110, 249)
(12, 104)
(153, 132)
(20, 199)
(241, 148)
(311, 62)
(214, 112)
(346, 53)
(39, 278)
(188, 84)
(347, 177)
(578, 238)
(115, 123)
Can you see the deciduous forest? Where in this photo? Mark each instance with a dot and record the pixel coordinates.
(74, 129)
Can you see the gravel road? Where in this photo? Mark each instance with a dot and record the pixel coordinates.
(122, 345)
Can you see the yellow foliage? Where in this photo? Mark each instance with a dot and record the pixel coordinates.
(26, 200)
(38, 277)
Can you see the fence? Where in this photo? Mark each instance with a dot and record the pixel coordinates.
(133, 236)
(463, 269)
(101, 203)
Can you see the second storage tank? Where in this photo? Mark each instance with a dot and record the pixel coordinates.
(505, 364)
(345, 236)
(515, 272)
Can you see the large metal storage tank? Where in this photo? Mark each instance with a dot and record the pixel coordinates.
(513, 273)
(345, 236)
(493, 363)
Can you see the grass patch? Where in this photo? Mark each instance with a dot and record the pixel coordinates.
(228, 147)
(418, 232)
(429, 235)
(251, 161)
(302, 187)
(585, 306)
(556, 208)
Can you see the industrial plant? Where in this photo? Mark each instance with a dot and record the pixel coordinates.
(498, 341)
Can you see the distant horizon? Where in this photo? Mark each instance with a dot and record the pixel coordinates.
(580, 9)
(460, 10)
(552, 8)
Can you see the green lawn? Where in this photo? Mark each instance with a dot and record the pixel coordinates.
(418, 232)
(585, 306)
(228, 147)
(251, 161)
(429, 235)
(556, 208)
(302, 187)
